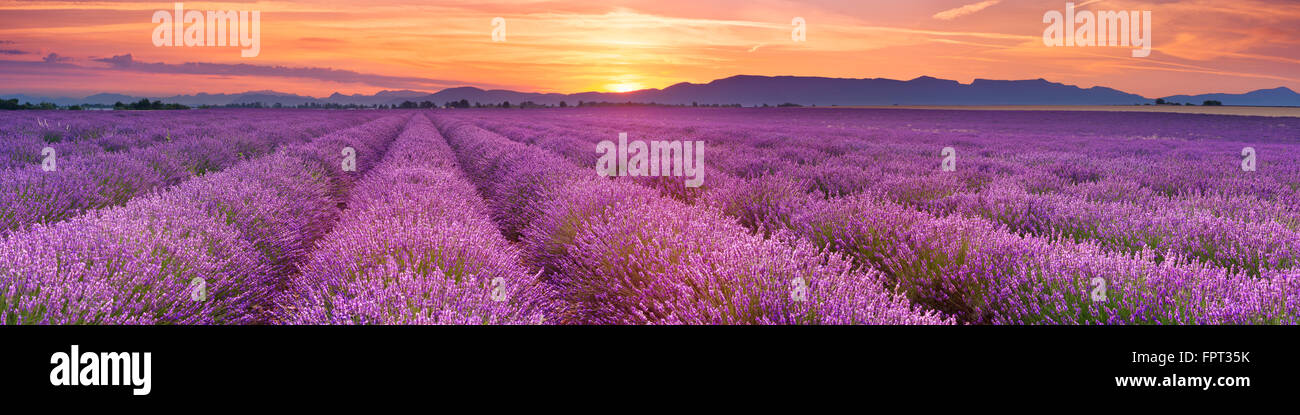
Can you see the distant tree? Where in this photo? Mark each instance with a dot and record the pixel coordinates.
(564, 104)
(1160, 101)
(505, 104)
(146, 104)
(409, 105)
(427, 104)
(1212, 103)
(457, 104)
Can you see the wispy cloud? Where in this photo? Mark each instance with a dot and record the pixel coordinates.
(55, 58)
(128, 63)
(965, 10)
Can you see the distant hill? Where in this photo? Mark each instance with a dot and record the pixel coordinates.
(383, 97)
(746, 90)
(757, 90)
(752, 90)
(1276, 97)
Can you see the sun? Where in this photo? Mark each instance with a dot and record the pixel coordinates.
(625, 87)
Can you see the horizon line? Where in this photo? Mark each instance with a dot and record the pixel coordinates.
(608, 92)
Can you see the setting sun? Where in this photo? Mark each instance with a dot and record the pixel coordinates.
(625, 87)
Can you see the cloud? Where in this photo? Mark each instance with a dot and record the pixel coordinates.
(128, 63)
(965, 10)
(55, 58)
(12, 52)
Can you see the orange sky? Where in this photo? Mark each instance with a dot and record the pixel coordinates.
(320, 47)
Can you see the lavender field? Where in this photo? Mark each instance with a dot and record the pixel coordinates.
(802, 216)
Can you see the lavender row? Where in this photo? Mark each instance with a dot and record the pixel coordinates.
(979, 272)
(982, 272)
(617, 253)
(32, 195)
(24, 136)
(416, 246)
(1192, 165)
(1254, 247)
(1065, 196)
(951, 263)
(211, 251)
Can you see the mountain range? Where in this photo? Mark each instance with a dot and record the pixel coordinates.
(1276, 97)
(746, 90)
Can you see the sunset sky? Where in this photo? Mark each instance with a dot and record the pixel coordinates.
(77, 48)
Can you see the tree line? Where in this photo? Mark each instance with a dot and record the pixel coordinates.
(143, 104)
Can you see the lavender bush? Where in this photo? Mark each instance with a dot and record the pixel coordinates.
(416, 246)
(239, 231)
(1225, 235)
(806, 216)
(96, 179)
(618, 253)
